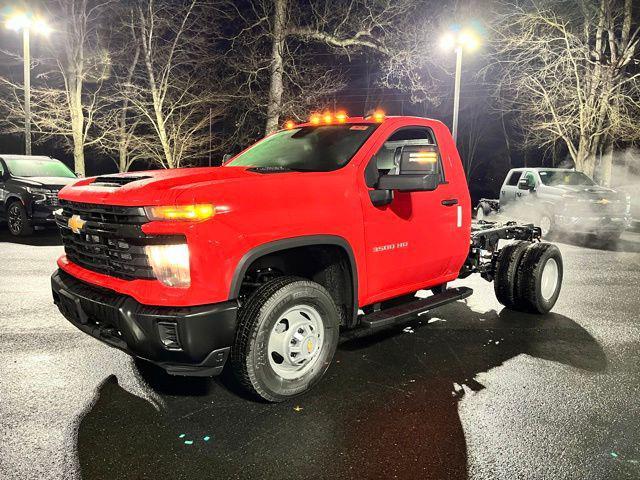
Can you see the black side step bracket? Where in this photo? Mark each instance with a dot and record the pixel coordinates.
(402, 313)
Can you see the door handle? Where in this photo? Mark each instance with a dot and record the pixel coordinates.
(450, 202)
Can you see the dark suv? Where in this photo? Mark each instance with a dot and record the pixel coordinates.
(29, 187)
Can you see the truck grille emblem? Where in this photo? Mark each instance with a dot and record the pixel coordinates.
(603, 201)
(76, 223)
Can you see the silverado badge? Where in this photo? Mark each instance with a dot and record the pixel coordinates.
(603, 201)
(76, 223)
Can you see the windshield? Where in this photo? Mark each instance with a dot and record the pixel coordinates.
(311, 149)
(38, 167)
(564, 177)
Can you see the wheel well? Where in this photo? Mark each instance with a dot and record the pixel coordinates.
(9, 201)
(328, 265)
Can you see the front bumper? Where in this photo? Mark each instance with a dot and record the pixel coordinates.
(204, 333)
(42, 214)
(592, 224)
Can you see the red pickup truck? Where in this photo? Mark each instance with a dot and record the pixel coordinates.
(322, 229)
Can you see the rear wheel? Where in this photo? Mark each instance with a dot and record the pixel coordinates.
(17, 220)
(482, 211)
(506, 270)
(539, 278)
(287, 335)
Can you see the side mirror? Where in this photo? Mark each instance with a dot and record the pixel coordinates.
(525, 185)
(418, 168)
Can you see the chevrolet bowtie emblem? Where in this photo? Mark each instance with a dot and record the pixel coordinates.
(603, 201)
(76, 223)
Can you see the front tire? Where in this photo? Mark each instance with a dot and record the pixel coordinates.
(546, 224)
(287, 335)
(18, 221)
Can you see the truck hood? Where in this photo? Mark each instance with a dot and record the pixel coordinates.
(158, 187)
(45, 182)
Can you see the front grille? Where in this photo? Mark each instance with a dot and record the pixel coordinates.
(594, 208)
(111, 241)
(52, 199)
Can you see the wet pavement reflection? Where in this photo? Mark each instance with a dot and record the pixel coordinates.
(388, 408)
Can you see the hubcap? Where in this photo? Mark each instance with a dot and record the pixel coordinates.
(549, 280)
(545, 225)
(296, 341)
(15, 219)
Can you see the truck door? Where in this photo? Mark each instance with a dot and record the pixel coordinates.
(524, 195)
(406, 238)
(510, 187)
(3, 190)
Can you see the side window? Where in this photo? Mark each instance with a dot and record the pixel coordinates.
(514, 178)
(387, 160)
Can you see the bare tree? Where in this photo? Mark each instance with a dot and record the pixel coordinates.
(289, 41)
(170, 92)
(566, 67)
(68, 94)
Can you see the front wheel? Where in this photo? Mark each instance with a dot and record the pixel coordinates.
(287, 335)
(546, 224)
(17, 220)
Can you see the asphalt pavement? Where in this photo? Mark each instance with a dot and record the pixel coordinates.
(473, 390)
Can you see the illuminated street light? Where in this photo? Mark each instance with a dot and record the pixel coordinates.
(458, 40)
(27, 22)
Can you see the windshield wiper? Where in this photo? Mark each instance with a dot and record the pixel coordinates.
(274, 169)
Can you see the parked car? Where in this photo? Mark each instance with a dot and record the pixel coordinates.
(29, 187)
(561, 200)
(268, 259)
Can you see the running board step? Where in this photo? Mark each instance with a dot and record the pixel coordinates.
(402, 313)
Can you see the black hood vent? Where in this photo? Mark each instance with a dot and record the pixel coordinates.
(116, 181)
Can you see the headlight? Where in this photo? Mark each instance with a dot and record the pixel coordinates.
(38, 191)
(181, 212)
(170, 264)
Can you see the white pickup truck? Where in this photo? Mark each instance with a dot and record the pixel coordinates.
(561, 200)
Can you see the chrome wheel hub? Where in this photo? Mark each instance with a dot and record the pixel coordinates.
(295, 342)
(549, 280)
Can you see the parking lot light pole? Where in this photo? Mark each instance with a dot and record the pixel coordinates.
(26, 22)
(458, 40)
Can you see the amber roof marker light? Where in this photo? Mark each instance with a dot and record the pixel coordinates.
(378, 116)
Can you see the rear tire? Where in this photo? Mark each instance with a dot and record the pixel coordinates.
(17, 220)
(506, 270)
(539, 278)
(287, 335)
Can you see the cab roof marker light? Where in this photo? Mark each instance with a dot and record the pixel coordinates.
(289, 124)
(341, 116)
(378, 116)
(314, 119)
(327, 117)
